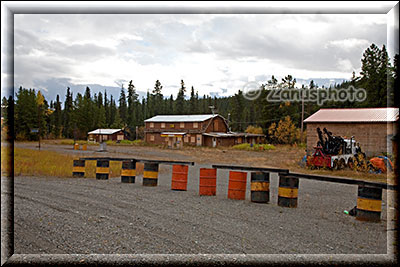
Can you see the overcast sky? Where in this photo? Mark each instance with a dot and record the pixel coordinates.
(213, 53)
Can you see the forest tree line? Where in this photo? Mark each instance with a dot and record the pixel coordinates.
(79, 114)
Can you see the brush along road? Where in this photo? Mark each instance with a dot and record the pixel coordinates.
(85, 215)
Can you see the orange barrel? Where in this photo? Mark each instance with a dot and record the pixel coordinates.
(150, 174)
(128, 172)
(369, 203)
(102, 169)
(237, 185)
(179, 177)
(78, 169)
(76, 146)
(84, 147)
(208, 182)
(288, 191)
(260, 187)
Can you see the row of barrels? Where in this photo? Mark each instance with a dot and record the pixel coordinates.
(368, 202)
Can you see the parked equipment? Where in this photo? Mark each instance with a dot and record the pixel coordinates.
(335, 152)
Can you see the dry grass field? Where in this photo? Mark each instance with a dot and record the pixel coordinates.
(55, 159)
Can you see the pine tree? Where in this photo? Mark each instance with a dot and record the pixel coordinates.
(180, 100)
(67, 115)
(132, 118)
(158, 99)
(107, 109)
(57, 115)
(123, 109)
(192, 102)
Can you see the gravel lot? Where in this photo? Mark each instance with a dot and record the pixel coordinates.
(85, 215)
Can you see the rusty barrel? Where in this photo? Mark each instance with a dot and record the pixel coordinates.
(259, 187)
(237, 185)
(128, 171)
(150, 174)
(78, 169)
(76, 146)
(369, 203)
(208, 182)
(102, 169)
(84, 147)
(179, 177)
(288, 191)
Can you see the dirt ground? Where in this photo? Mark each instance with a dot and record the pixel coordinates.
(84, 216)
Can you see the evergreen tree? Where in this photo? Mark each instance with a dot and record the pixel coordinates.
(57, 115)
(67, 115)
(132, 107)
(107, 109)
(158, 99)
(123, 109)
(237, 111)
(25, 114)
(374, 76)
(180, 100)
(113, 111)
(192, 102)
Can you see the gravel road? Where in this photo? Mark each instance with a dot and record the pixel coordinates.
(85, 215)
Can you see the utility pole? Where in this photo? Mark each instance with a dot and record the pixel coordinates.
(302, 114)
(40, 102)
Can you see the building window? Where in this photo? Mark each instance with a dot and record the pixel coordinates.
(151, 124)
(105, 137)
(120, 137)
(182, 125)
(171, 126)
(151, 137)
(185, 139)
(192, 139)
(195, 125)
(163, 125)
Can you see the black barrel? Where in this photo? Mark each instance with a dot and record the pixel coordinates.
(78, 169)
(288, 191)
(260, 187)
(102, 169)
(128, 172)
(369, 203)
(150, 174)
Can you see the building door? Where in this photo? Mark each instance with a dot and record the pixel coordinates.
(214, 141)
(198, 140)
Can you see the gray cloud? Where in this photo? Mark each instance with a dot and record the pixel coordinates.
(52, 45)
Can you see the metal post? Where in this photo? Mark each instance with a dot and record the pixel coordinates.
(302, 116)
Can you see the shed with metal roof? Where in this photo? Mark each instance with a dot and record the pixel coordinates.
(372, 128)
(100, 135)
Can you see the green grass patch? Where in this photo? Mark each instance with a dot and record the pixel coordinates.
(254, 147)
(71, 142)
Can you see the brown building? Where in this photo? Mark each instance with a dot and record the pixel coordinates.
(105, 135)
(199, 130)
(372, 128)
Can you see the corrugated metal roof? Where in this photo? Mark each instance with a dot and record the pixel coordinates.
(181, 118)
(355, 115)
(105, 131)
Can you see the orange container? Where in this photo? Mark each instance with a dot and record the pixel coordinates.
(179, 177)
(237, 185)
(208, 182)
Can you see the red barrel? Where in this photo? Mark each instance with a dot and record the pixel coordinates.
(237, 185)
(208, 182)
(179, 177)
